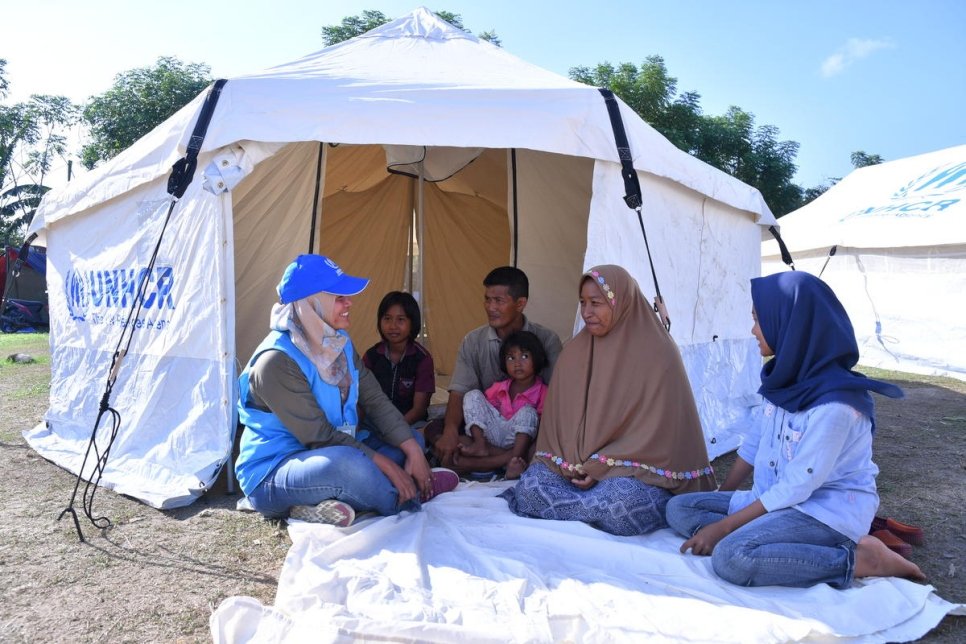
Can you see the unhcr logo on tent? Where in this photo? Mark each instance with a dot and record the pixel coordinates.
(924, 196)
(94, 295)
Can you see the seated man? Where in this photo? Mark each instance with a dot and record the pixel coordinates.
(478, 361)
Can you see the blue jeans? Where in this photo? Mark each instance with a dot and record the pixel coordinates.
(338, 472)
(781, 548)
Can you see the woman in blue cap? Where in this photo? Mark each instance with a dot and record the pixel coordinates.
(806, 519)
(300, 455)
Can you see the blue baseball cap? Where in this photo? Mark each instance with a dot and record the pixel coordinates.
(311, 274)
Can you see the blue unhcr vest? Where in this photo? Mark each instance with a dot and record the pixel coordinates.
(266, 442)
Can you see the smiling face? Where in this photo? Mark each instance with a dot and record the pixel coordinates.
(766, 350)
(519, 364)
(503, 312)
(395, 325)
(337, 311)
(595, 310)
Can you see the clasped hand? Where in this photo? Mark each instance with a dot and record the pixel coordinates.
(583, 480)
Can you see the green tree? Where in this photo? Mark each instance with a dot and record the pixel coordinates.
(139, 100)
(860, 159)
(352, 26)
(31, 139)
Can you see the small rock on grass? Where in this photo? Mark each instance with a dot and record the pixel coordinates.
(20, 358)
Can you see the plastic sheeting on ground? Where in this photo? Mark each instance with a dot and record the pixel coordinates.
(467, 569)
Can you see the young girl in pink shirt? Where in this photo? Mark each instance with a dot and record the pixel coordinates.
(502, 422)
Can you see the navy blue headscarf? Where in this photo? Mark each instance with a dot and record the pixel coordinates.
(814, 344)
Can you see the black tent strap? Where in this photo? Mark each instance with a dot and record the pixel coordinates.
(782, 248)
(831, 253)
(182, 173)
(633, 196)
(183, 170)
(632, 185)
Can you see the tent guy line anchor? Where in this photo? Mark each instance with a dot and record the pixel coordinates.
(182, 174)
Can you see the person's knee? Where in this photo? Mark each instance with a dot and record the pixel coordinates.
(731, 562)
(471, 399)
(527, 416)
(420, 439)
(678, 513)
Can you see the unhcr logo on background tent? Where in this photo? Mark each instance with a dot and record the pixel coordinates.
(924, 196)
(104, 296)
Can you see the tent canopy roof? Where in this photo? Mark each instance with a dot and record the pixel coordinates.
(918, 201)
(415, 81)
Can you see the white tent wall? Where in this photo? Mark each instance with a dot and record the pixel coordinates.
(906, 305)
(175, 391)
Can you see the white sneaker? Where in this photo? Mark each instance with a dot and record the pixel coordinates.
(330, 511)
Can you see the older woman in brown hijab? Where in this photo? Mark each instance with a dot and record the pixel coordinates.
(620, 432)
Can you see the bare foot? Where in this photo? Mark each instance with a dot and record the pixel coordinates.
(515, 467)
(874, 559)
(474, 449)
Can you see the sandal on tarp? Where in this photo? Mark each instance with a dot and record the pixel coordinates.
(893, 542)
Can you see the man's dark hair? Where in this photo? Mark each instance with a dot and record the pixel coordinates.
(526, 342)
(511, 277)
(409, 307)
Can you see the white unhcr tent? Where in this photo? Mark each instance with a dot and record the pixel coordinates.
(495, 161)
(890, 239)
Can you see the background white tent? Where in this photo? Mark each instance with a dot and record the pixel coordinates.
(295, 159)
(898, 231)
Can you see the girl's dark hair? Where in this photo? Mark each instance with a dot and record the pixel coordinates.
(528, 343)
(409, 307)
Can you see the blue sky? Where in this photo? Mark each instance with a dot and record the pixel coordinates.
(884, 76)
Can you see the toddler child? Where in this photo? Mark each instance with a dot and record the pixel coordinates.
(502, 423)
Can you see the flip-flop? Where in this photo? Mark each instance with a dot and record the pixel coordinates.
(893, 542)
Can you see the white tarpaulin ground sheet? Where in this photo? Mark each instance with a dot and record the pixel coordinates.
(467, 569)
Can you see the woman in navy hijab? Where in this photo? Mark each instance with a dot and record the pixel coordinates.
(806, 519)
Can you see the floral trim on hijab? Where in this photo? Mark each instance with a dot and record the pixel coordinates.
(604, 288)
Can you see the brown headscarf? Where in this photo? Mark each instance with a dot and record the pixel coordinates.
(621, 404)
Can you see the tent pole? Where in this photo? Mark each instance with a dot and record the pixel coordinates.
(420, 240)
(410, 232)
(319, 173)
(516, 222)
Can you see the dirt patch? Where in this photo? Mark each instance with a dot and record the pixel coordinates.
(157, 576)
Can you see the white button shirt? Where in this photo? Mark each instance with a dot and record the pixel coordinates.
(818, 461)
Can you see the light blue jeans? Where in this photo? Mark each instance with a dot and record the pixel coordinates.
(338, 472)
(781, 548)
